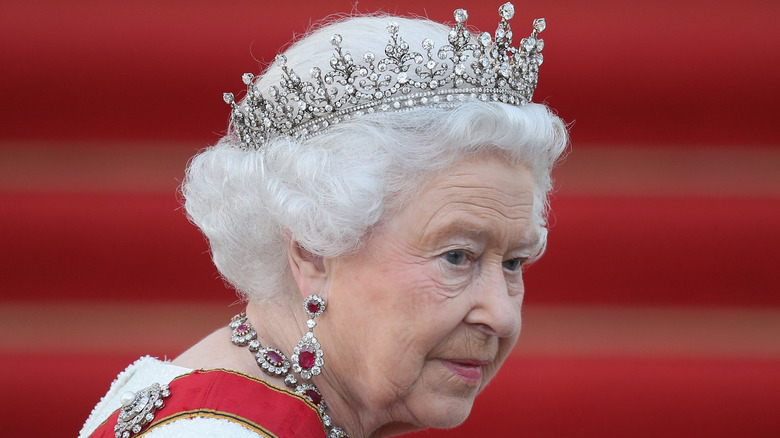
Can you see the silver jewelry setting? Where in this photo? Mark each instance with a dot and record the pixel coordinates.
(138, 409)
(470, 67)
(307, 357)
(312, 393)
(243, 333)
(314, 305)
(273, 361)
(269, 360)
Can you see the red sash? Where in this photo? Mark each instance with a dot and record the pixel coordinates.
(259, 406)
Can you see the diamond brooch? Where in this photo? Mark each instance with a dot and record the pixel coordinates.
(138, 409)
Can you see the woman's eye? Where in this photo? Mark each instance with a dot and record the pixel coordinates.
(455, 257)
(513, 264)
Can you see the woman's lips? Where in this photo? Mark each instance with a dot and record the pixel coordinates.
(469, 370)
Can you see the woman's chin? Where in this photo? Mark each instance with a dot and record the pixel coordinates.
(444, 413)
(450, 419)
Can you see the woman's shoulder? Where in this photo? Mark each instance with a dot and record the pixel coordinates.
(186, 402)
(139, 375)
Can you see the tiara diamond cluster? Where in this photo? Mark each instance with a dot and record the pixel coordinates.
(483, 67)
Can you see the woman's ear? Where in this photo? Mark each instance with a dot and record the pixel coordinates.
(307, 268)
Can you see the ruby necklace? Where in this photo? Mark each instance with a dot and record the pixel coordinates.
(307, 362)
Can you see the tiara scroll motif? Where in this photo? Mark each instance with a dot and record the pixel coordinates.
(469, 67)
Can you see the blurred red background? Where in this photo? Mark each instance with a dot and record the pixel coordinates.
(655, 312)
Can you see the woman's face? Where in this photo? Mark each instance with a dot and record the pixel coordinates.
(423, 316)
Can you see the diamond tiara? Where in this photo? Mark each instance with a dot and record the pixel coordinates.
(477, 68)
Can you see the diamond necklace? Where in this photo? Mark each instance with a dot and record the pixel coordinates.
(274, 363)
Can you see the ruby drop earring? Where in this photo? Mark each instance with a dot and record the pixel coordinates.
(307, 358)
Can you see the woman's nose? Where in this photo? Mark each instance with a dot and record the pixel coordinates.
(494, 309)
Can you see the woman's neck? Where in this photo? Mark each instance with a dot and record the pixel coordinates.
(281, 325)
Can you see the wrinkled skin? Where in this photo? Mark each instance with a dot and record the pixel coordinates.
(422, 317)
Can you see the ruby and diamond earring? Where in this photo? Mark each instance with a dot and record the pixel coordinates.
(306, 361)
(307, 358)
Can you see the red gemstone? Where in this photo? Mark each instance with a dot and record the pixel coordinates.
(313, 306)
(242, 329)
(274, 358)
(314, 396)
(306, 359)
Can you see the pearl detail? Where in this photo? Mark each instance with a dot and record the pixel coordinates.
(127, 398)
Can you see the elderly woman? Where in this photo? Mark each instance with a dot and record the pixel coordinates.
(381, 188)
